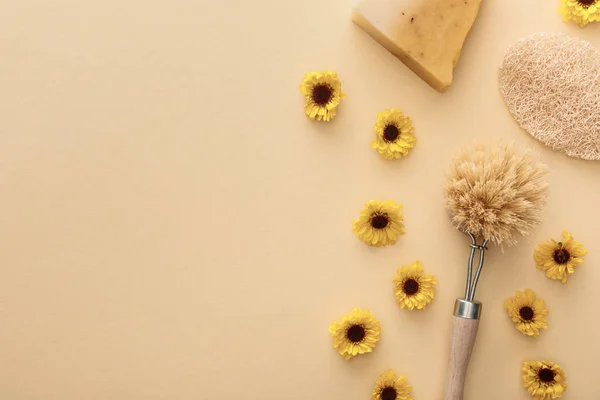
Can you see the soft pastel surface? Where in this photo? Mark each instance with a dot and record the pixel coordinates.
(174, 227)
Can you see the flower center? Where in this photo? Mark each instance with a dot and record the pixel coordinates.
(379, 221)
(321, 94)
(355, 333)
(546, 375)
(389, 393)
(391, 133)
(526, 313)
(561, 256)
(410, 286)
(586, 3)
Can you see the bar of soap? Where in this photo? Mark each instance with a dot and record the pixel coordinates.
(426, 35)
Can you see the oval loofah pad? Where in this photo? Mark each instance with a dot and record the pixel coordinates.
(551, 85)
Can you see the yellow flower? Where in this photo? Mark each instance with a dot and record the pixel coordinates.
(391, 387)
(394, 134)
(559, 259)
(323, 92)
(581, 12)
(527, 312)
(412, 287)
(380, 223)
(356, 333)
(544, 380)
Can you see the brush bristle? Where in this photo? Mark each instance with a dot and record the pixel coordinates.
(495, 192)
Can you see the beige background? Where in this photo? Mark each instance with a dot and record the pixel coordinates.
(173, 227)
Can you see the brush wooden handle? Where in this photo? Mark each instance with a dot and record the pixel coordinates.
(464, 332)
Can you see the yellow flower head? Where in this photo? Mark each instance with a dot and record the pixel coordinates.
(323, 92)
(581, 12)
(380, 223)
(559, 259)
(544, 380)
(394, 134)
(391, 387)
(412, 287)
(356, 333)
(527, 312)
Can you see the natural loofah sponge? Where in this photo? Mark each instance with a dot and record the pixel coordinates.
(551, 85)
(494, 192)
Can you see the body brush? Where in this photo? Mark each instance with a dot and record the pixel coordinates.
(494, 194)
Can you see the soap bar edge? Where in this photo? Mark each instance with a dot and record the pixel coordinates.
(359, 19)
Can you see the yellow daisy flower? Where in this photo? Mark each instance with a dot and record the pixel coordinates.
(527, 312)
(412, 287)
(544, 380)
(391, 387)
(559, 259)
(380, 223)
(323, 92)
(356, 333)
(394, 134)
(581, 12)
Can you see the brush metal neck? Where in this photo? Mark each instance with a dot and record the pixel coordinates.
(467, 309)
